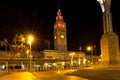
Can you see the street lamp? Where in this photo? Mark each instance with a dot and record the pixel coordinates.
(72, 54)
(90, 48)
(30, 39)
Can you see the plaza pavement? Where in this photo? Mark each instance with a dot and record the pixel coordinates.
(97, 74)
(83, 74)
(47, 75)
(3, 72)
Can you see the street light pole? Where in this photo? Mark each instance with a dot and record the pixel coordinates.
(30, 38)
(30, 58)
(92, 54)
(71, 55)
(72, 60)
(90, 48)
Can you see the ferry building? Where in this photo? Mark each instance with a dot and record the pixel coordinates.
(62, 57)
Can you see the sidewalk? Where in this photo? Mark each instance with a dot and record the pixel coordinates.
(97, 74)
(3, 72)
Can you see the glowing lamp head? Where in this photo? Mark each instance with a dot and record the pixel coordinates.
(62, 36)
(30, 39)
(89, 48)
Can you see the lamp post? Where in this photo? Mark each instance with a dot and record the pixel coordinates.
(27, 52)
(90, 48)
(72, 54)
(30, 39)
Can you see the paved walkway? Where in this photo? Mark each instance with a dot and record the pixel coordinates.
(82, 74)
(58, 75)
(3, 72)
(97, 74)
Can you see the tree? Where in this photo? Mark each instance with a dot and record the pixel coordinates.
(17, 47)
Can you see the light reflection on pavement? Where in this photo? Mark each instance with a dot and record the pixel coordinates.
(59, 75)
(19, 76)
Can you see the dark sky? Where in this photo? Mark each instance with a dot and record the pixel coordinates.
(83, 19)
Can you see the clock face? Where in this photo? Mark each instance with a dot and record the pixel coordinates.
(55, 37)
(62, 36)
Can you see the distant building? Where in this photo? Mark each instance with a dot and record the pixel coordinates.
(4, 54)
(96, 59)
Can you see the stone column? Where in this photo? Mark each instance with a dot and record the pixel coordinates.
(21, 65)
(107, 22)
(7, 66)
(109, 41)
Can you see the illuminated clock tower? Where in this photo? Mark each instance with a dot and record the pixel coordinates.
(60, 39)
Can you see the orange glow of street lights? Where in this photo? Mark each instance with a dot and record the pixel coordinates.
(23, 39)
(72, 54)
(89, 48)
(30, 39)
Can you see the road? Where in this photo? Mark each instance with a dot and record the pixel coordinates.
(58, 75)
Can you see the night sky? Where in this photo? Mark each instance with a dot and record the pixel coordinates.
(83, 19)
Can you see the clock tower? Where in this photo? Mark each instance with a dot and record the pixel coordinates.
(60, 38)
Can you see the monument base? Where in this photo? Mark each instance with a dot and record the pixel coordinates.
(110, 51)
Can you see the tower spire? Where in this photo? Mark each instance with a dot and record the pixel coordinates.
(59, 16)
